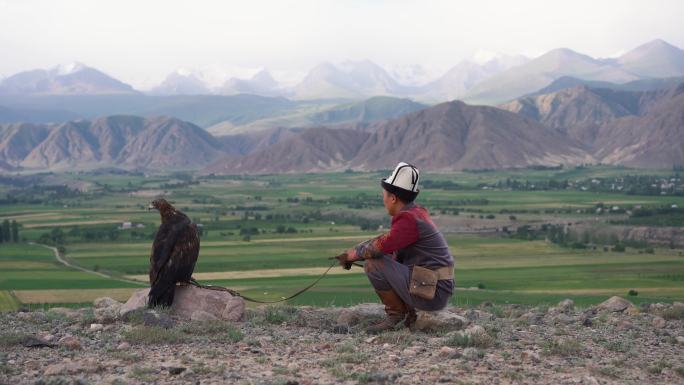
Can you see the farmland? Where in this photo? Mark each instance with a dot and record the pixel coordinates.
(268, 236)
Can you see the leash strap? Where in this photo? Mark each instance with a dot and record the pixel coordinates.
(237, 293)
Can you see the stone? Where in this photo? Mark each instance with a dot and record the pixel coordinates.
(37, 342)
(365, 311)
(65, 312)
(471, 354)
(680, 340)
(566, 305)
(189, 299)
(408, 353)
(175, 370)
(529, 356)
(72, 367)
(104, 302)
(446, 351)
(678, 305)
(70, 342)
(442, 320)
(96, 327)
(475, 330)
(107, 314)
(154, 318)
(658, 322)
(123, 346)
(618, 305)
(201, 315)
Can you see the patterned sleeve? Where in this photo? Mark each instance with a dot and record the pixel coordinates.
(404, 232)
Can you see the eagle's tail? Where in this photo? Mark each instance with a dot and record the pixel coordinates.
(161, 293)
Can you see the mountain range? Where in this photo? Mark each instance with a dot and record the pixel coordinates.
(577, 125)
(498, 80)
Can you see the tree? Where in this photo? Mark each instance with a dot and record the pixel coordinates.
(6, 231)
(15, 231)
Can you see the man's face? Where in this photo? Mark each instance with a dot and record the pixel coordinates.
(390, 201)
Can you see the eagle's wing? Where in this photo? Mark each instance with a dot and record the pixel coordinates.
(185, 253)
(163, 246)
(157, 247)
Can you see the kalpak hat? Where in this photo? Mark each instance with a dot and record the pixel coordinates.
(403, 182)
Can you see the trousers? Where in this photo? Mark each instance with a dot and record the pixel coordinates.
(385, 273)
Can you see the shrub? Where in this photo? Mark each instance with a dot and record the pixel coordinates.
(632, 292)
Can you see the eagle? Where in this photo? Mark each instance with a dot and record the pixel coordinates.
(174, 253)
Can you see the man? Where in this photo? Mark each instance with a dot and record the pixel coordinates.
(410, 267)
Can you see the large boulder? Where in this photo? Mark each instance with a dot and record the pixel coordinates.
(189, 300)
(618, 305)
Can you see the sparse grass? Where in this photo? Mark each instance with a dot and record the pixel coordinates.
(125, 356)
(11, 339)
(606, 371)
(673, 313)
(463, 340)
(142, 374)
(679, 370)
(658, 367)
(619, 345)
(218, 331)
(513, 375)
(403, 337)
(154, 335)
(563, 347)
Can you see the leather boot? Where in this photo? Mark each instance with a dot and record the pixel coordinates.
(395, 308)
(411, 317)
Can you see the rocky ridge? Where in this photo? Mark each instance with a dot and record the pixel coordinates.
(613, 343)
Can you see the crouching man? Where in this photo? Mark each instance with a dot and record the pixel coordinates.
(410, 267)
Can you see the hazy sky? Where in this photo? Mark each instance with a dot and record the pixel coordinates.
(140, 41)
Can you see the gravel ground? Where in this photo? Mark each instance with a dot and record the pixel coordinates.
(509, 344)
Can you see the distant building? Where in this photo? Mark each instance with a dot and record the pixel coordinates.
(126, 225)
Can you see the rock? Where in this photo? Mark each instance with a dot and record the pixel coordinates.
(107, 314)
(123, 346)
(680, 340)
(70, 342)
(96, 327)
(138, 300)
(175, 370)
(72, 367)
(65, 312)
(566, 305)
(355, 314)
(618, 305)
(154, 318)
(677, 305)
(408, 353)
(37, 342)
(658, 322)
(471, 354)
(529, 356)
(446, 351)
(201, 315)
(189, 299)
(104, 302)
(475, 330)
(443, 320)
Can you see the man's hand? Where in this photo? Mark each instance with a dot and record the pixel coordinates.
(344, 260)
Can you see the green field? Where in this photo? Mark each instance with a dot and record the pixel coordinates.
(254, 225)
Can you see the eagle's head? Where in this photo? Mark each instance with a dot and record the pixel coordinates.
(160, 204)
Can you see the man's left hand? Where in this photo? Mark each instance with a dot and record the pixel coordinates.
(344, 260)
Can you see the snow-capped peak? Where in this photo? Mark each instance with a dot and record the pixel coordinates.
(68, 69)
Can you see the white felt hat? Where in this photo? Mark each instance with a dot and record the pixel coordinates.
(403, 182)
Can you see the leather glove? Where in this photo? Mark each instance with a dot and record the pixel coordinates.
(344, 260)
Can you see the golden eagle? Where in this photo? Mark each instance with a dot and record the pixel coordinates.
(174, 253)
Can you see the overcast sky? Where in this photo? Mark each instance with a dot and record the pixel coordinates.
(140, 41)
